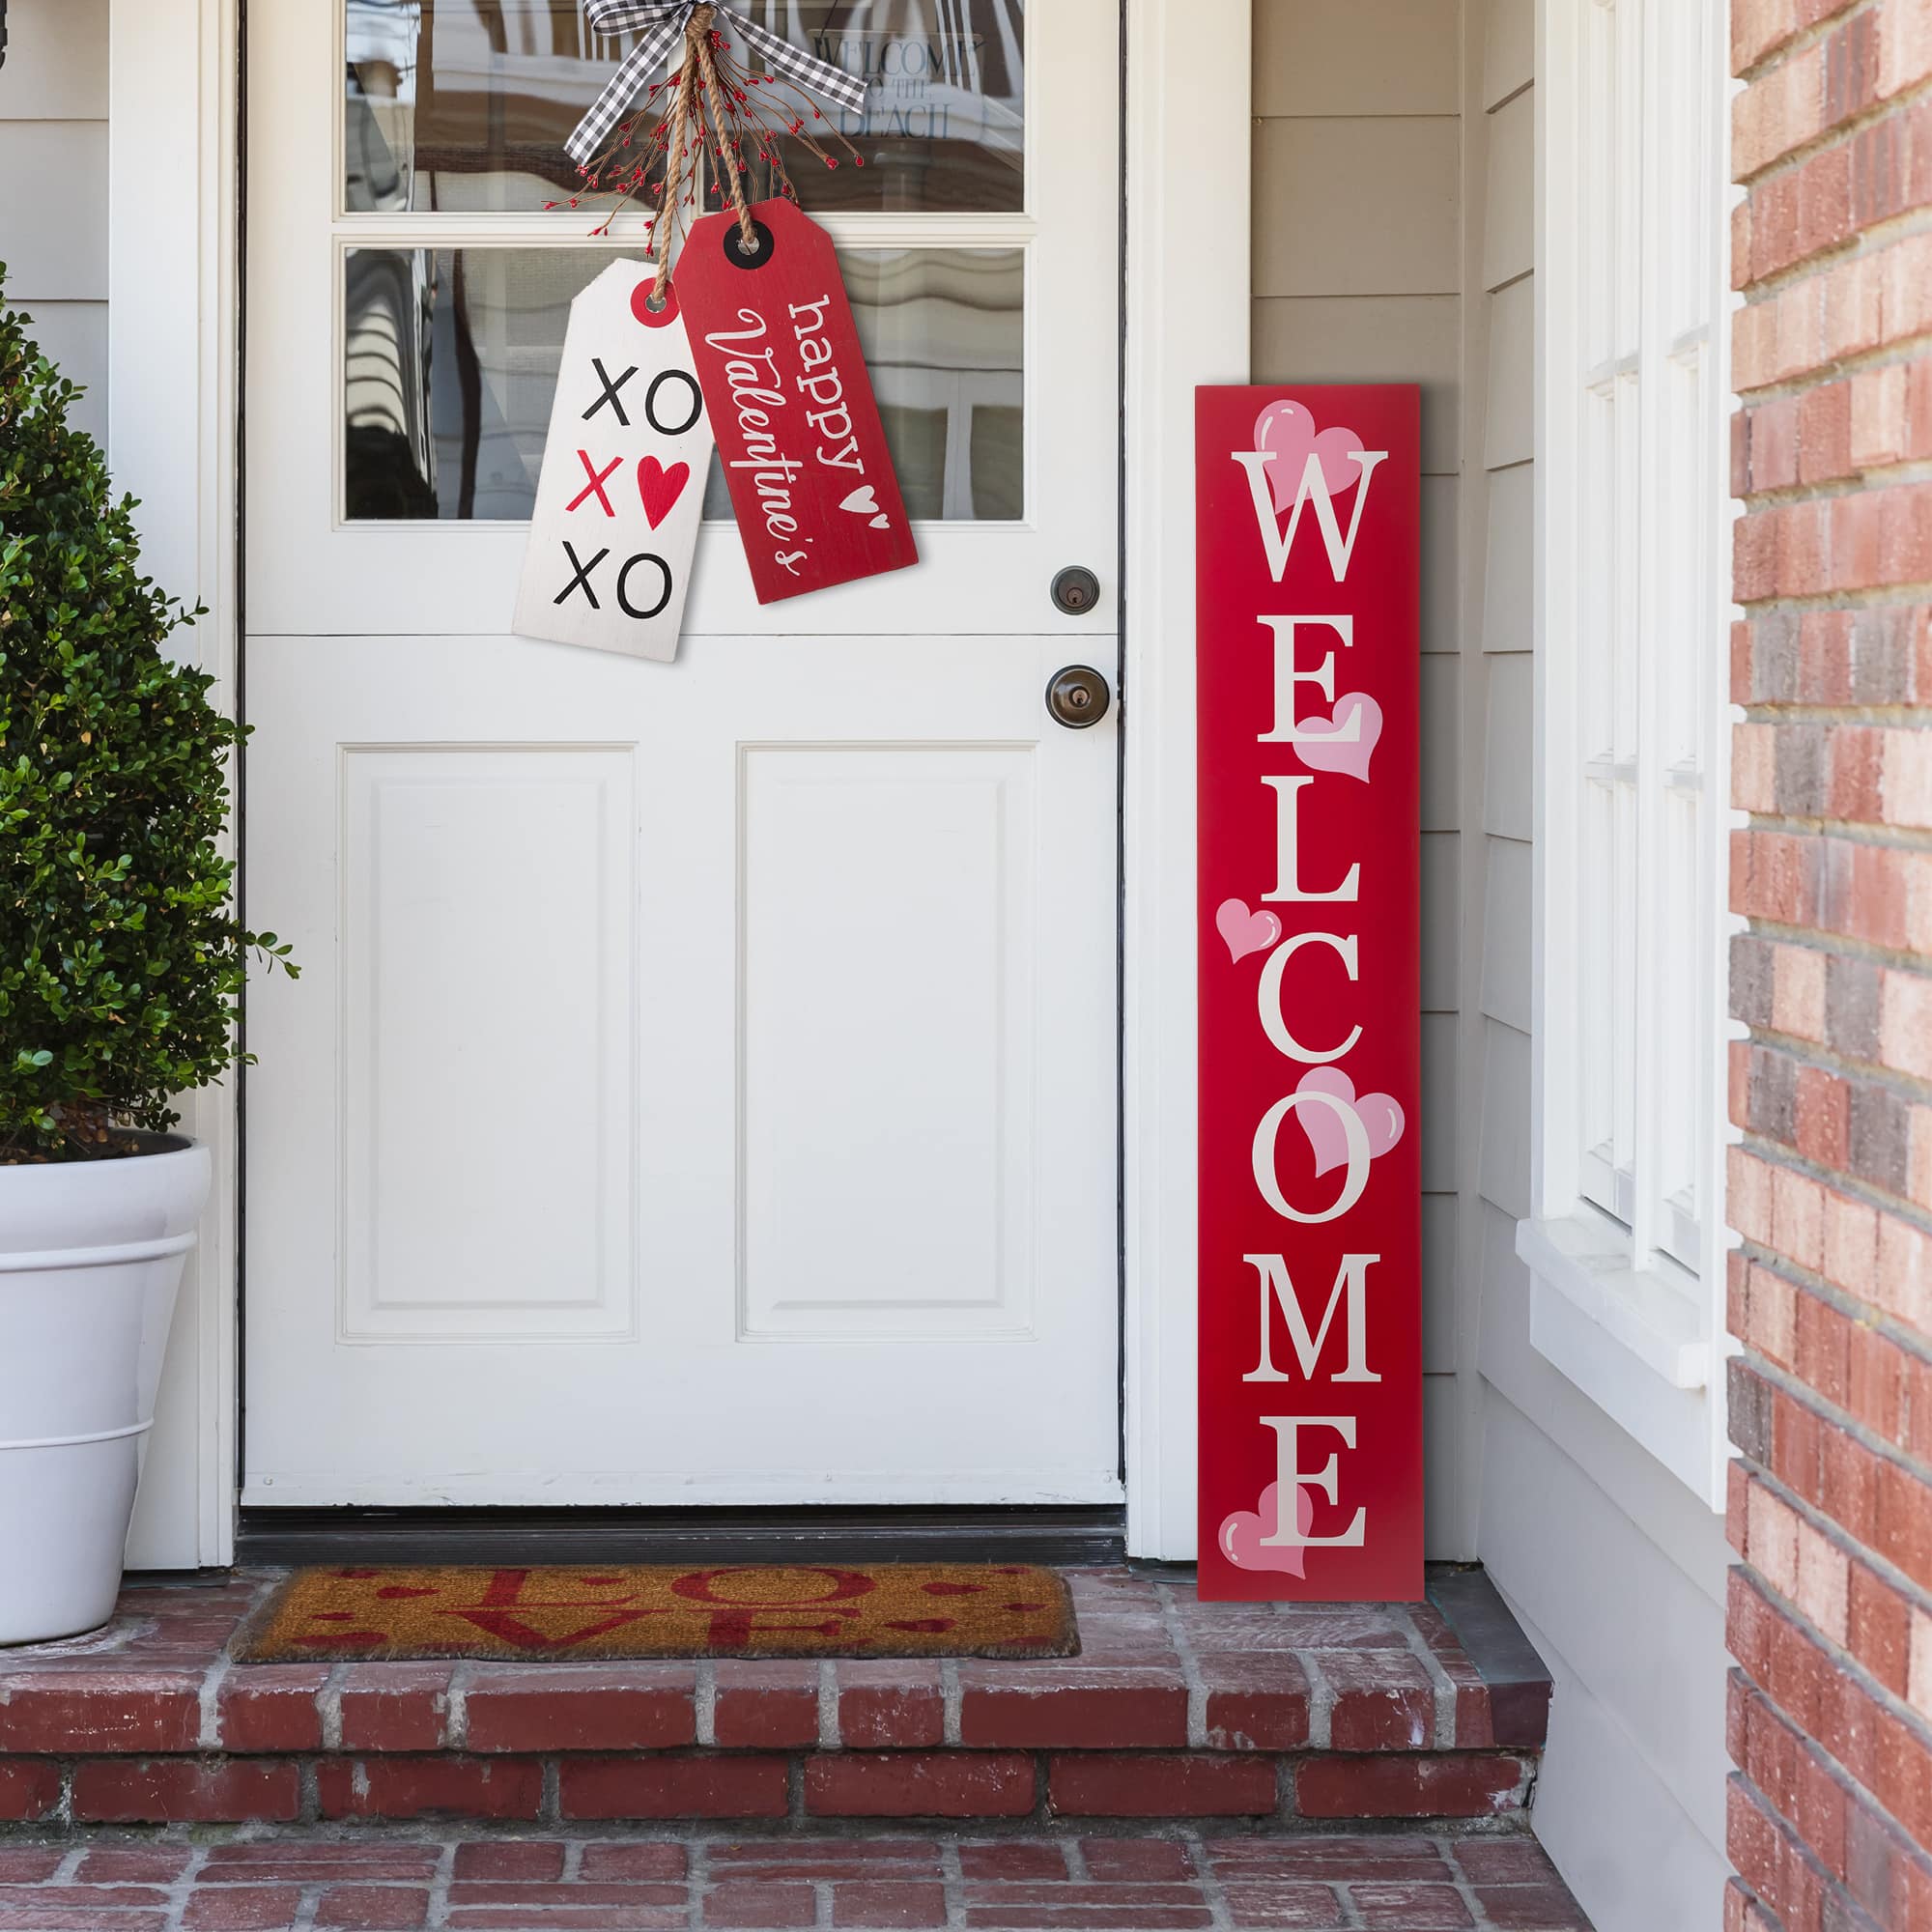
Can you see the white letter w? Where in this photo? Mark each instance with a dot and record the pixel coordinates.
(1313, 487)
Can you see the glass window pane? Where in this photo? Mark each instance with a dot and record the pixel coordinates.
(450, 360)
(465, 104)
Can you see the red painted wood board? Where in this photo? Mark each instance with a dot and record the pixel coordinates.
(785, 381)
(1308, 531)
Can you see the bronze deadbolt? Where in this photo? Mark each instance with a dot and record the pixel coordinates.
(1075, 590)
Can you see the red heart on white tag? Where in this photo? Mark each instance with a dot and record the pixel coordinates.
(658, 487)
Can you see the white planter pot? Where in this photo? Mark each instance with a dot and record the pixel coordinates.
(91, 1255)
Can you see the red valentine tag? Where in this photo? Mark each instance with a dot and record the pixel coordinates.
(791, 403)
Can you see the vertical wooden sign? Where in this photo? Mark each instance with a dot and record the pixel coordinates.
(1308, 554)
(803, 452)
(614, 526)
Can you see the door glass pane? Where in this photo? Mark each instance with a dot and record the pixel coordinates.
(450, 359)
(464, 104)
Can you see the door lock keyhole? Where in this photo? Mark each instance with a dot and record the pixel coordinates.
(1077, 696)
(1075, 590)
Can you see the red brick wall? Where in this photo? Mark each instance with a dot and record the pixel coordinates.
(1830, 1503)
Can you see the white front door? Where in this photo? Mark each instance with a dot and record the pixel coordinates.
(700, 1085)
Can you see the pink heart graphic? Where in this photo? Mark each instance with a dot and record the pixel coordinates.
(1242, 1534)
(1350, 757)
(1379, 1114)
(658, 487)
(1246, 931)
(1285, 431)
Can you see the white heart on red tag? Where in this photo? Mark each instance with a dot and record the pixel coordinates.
(863, 503)
(1380, 1116)
(1348, 756)
(1243, 930)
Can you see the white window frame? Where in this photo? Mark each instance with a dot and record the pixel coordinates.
(1628, 1288)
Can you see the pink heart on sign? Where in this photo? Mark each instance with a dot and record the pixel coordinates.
(1286, 432)
(1242, 1534)
(1349, 756)
(1380, 1116)
(1246, 931)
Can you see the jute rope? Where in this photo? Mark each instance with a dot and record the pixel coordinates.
(696, 82)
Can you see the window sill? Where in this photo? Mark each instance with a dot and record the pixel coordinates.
(1653, 1313)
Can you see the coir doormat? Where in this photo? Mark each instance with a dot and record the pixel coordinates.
(883, 1610)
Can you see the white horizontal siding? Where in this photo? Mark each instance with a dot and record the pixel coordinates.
(53, 159)
(1383, 57)
(1509, 47)
(1371, 339)
(56, 60)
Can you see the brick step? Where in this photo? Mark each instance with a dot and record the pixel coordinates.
(1276, 1714)
(401, 1880)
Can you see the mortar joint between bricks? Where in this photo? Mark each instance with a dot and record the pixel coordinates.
(1844, 1423)
(704, 1702)
(456, 1705)
(207, 1730)
(1285, 1811)
(1321, 1700)
(952, 1877)
(1843, 1660)
(1899, 474)
(828, 1704)
(1444, 1684)
(439, 1883)
(1889, 716)
(1846, 831)
(1829, 1058)
(1842, 133)
(308, 1791)
(1908, 594)
(1811, 277)
(951, 1698)
(1778, 1154)
(550, 1796)
(328, 1707)
(1190, 1666)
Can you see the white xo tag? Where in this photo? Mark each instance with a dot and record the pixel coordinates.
(622, 489)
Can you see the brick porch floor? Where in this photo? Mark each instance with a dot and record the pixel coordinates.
(383, 1881)
(1268, 1717)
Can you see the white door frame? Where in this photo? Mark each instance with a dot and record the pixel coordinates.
(173, 416)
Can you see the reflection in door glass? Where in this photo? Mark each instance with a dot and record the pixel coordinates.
(450, 358)
(461, 105)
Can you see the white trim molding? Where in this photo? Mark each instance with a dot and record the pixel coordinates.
(1188, 308)
(1626, 1238)
(172, 333)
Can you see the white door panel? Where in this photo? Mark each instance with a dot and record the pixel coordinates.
(702, 1110)
(700, 1085)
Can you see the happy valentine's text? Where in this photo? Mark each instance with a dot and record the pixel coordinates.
(758, 388)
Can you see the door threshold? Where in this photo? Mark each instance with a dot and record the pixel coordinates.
(1051, 1533)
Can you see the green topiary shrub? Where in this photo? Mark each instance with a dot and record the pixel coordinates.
(121, 959)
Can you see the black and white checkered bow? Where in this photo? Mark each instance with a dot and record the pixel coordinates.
(664, 23)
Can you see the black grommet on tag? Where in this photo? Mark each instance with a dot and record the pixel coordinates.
(734, 246)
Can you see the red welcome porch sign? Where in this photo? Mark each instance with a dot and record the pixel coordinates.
(1308, 513)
